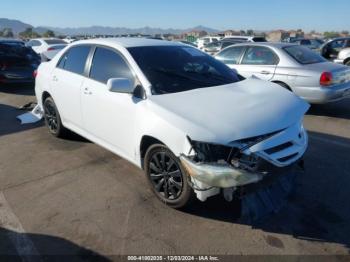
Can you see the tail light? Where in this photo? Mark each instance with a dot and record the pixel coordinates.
(3, 66)
(326, 79)
(35, 73)
(50, 49)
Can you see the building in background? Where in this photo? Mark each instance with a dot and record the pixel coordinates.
(281, 35)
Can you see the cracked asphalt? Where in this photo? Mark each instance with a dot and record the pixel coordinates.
(71, 197)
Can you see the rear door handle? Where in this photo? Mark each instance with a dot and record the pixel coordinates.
(265, 72)
(87, 91)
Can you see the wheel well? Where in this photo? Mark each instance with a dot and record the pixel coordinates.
(282, 84)
(146, 143)
(44, 96)
(346, 60)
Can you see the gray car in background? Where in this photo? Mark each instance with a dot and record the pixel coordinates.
(292, 66)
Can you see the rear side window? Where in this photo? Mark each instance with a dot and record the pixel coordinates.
(259, 55)
(108, 64)
(259, 39)
(34, 43)
(231, 55)
(305, 42)
(303, 55)
(74, 59)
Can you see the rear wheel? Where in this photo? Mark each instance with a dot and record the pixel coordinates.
(53, 119)
(284, 85)
(167, 178)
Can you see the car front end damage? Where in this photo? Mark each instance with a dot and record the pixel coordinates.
(243, 164)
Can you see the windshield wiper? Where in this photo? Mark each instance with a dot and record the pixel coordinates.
(182, 76)
(211, 75)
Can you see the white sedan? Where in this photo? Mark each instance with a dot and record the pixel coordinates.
(175, 112)
(41, 45)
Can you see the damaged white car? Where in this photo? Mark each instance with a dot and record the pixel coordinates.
(195, 128)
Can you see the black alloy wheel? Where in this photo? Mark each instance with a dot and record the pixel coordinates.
(53, 119)
(166, 176)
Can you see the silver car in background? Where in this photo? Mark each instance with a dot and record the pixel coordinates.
(292, 66)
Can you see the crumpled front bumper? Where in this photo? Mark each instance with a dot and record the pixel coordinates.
(219, 175)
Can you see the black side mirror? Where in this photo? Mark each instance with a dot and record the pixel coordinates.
(139, 92)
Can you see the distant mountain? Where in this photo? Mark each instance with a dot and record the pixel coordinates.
(18, 26)
(106, 30)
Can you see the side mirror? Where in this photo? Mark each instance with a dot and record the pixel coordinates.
(120, 85)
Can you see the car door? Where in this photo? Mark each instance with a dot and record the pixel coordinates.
(259, 61)
(66, 83)
(109, 116)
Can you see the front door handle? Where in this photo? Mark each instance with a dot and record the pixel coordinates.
(87, 91)
(265, 72)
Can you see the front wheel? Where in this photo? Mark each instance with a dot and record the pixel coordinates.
(168, 179)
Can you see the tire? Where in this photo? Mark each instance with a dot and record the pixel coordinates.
(53, 119)
(347, 63)
(167, 177)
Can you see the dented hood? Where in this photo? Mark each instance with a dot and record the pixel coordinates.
(223, 114)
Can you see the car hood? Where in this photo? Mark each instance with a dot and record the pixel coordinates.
(224, 114)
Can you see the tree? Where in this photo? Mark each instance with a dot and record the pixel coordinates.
(29, 33)
(49, 33)
(250, 32)
(331, 34)
(7, 32)
(242, 32)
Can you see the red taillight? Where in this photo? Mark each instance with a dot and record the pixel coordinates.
(326, 79)
(35, 73)
(3, 65)
(51, 49)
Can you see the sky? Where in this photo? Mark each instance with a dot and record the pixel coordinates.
(320, 15)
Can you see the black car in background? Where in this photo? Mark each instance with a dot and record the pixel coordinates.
(331, 49)
(17, 62)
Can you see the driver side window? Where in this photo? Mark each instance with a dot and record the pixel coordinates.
(107, 64)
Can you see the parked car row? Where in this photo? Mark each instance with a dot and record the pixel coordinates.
(17, 62)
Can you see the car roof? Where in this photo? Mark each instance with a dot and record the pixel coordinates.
(128, 42)
(5, 40)
(270, 44)
(340, 38)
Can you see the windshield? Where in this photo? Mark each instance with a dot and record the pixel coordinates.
(173, 69)
(259, 39)
(304, 55)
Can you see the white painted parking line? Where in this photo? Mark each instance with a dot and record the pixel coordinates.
(16, 234)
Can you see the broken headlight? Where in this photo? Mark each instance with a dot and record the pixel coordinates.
(215, 153)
